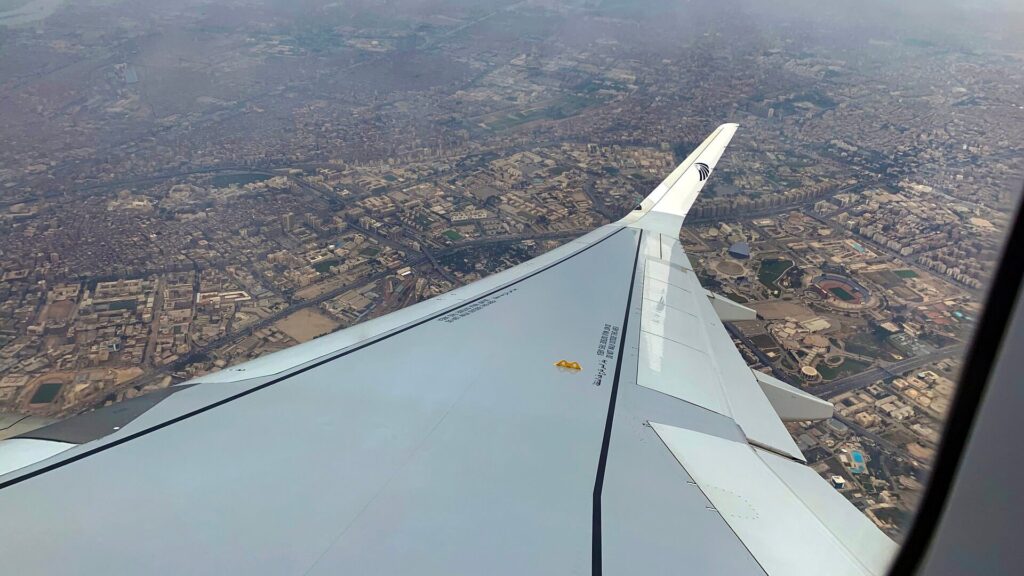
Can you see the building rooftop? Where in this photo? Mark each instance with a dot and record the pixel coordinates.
(740, 250)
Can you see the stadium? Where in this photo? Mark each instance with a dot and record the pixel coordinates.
(841, 288)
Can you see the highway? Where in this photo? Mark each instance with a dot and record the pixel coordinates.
(878, 440)
(857, 381)
(888, 370)
(440, 269)
(512, 238)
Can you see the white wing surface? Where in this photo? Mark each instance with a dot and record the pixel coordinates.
(443, 439)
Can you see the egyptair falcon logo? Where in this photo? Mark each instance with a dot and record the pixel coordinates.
(704, 170)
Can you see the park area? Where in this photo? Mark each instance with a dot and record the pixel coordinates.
(771, 270)
(849, 367)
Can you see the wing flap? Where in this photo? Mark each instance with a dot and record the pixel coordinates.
(772, 517)
(679, 371)
(791, 403)
(856, 533)
(678, 318)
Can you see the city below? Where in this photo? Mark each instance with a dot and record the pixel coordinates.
(188, 194)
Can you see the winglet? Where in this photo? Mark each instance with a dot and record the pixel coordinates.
(666, 207)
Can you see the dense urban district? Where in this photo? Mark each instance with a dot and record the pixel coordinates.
(183, 189)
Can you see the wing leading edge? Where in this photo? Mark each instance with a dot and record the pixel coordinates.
(444, 439)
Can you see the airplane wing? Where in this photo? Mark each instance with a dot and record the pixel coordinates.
(584, 412)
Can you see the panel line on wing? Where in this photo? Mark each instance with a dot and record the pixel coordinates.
(596, 566)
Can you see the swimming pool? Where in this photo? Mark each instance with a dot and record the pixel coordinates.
(858, 462)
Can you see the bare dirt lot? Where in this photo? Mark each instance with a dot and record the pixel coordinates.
(306, 324)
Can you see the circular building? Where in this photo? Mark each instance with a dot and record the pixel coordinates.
(729, 268)
(810, 373)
